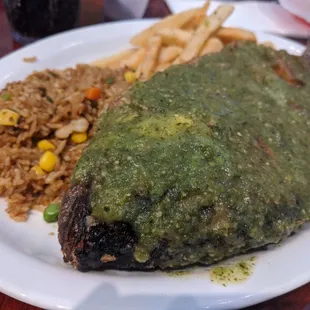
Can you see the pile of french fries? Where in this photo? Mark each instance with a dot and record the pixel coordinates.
(178, 39)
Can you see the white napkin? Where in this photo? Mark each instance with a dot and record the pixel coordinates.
(253, 15)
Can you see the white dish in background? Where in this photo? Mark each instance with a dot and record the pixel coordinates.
(31, 267)
(300, 8)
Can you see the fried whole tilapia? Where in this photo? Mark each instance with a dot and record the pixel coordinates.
(202, 162)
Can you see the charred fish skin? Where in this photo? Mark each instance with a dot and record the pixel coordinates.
(207, 160)
(88, 244)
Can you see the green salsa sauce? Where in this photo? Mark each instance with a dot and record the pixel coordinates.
(211, 156)
(232, 273)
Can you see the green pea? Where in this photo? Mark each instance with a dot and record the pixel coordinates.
(51, 212)
(6, 96)
(49, 99)
(110, 80)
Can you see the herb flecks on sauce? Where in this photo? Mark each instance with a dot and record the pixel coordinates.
(208, 158)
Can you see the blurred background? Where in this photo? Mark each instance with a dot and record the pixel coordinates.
(24, 21)
(28, 20)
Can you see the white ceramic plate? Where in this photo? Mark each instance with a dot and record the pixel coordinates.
(31, 267)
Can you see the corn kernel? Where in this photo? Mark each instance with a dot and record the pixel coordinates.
(8, 117)
(130, 76)
(79, 137)
(38, 170)
(48, 161)
(45, 145)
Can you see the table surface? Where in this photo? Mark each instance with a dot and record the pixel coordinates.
(91, 12)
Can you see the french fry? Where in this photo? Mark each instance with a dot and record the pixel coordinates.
(213, 45)
(198, 19)
(172, 21)
(169, 54)
(174, 36)
(178, 39)
(134, 60)
(203, 32)
(194, 23)
(269, 44)
(151, 55)
(227, 35)
(162, 67)
(114, 61)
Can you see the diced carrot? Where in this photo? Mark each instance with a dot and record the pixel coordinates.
(93, 93)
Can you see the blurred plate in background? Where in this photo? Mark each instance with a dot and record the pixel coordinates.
(300, 8)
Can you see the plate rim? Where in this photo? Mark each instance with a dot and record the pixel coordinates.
(147, 21)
